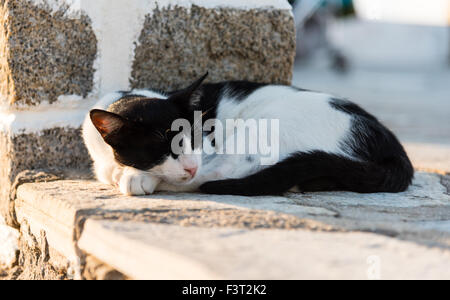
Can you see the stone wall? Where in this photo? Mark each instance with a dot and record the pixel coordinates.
(44, 54)
(178, 44)
(55, 150)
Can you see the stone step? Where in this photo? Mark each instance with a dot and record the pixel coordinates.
(154, 251)
(193, 236)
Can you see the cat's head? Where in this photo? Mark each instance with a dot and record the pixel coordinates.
(141, 135)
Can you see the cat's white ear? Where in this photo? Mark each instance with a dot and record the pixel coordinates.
(187, 98)
(106, 122)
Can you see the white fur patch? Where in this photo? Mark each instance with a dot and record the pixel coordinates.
(306, 119)
(174, 171)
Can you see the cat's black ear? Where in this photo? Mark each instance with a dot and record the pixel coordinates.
(106, 122)
(186, 98)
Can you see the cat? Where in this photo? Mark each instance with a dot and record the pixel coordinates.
(325, 143)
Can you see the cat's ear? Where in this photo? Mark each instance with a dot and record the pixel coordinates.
(186, 98)
(106, 122)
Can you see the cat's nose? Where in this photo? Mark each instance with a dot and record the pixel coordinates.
(191, 171)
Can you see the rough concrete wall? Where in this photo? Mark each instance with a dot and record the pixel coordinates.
(179, 44)
(5, 175)
(57, 150)
(54, 148)
(44, 54)
(6, 82)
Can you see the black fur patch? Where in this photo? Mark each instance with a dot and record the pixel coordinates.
(212, 93)
(240, 90)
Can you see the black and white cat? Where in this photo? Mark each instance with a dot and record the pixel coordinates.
(323, 143)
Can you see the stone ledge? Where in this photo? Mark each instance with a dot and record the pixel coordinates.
(154, 251)
(193, 236)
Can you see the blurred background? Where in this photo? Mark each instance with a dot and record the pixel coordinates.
(390, 56)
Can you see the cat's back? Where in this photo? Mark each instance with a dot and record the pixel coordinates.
(246, 100)
(307, 120)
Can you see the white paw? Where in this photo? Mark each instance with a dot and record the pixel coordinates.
(137, 183)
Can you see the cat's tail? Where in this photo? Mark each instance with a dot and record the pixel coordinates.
(321, 171)
(392, 175)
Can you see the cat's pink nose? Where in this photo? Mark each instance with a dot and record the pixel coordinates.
(191, 171)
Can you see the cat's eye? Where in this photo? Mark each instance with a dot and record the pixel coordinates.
(166, 133)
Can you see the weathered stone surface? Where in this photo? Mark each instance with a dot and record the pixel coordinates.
(44, 54)
(446, 182)
(179, 44)
(97, 270)
(70, 201)
(180, 236)
(37, 260)
(61, 208)
(425, 201)
(420, 214)
(33, 261)
(154, 251)
(56, 150)
(163, 263)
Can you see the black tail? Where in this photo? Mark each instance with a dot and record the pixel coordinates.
(320, 171)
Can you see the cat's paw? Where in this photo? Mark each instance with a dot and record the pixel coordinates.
(136, 183)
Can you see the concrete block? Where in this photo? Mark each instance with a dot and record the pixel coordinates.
(179, 43)
(54, 150)
(44, 54)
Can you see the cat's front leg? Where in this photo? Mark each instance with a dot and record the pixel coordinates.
(137, 183)
(108, 173)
